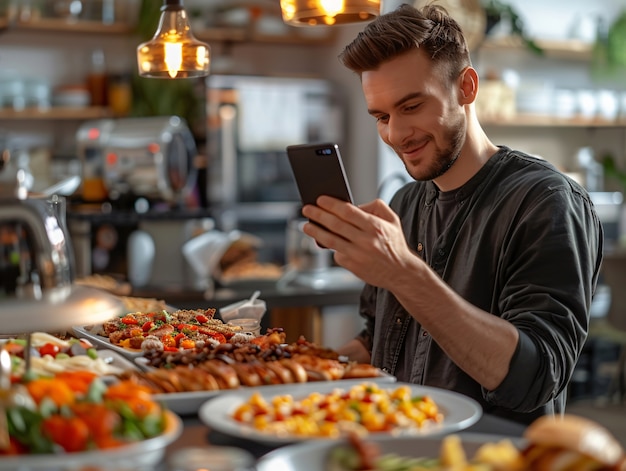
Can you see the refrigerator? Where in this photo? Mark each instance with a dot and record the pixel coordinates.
(250, 122)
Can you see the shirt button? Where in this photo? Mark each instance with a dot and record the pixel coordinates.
(424, 334)
(420, 247)
(441, 252)
(385, 369)
(398, 320)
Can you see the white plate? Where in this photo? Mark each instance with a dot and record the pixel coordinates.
(146, 454)
(459, 411)
(189, 403)
(313, 455)
(100, 340)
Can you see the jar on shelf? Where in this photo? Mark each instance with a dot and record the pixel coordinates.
(97, 79)
(119, 94)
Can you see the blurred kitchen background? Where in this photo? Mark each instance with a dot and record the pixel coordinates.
(167, 160)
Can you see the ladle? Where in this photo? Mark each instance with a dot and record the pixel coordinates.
(254, 296)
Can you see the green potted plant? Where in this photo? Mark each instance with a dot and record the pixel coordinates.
(498, 11)
(609, 51)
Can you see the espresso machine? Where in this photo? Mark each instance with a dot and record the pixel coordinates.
(125, 159)
(136, 207)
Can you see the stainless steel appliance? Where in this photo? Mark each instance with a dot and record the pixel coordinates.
(250, 122)
(36, 264)
(149, 157)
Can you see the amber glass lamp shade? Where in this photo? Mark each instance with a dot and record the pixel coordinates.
(173, 52)
(328, 12)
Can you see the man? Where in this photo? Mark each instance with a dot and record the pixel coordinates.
(480, 274)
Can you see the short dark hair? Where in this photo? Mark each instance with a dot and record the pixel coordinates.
(430, 29)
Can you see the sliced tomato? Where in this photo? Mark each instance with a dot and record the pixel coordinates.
(221, 338)
(101, 420)
(71, 433)
(178, 337)
(202, 319)
(129, 320)
(147, 326)
(182, 327)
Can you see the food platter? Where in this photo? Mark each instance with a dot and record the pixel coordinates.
(459, 411)
(140, 455)
(101, 341)
(106, 363)
(315, 453)
(189, 403)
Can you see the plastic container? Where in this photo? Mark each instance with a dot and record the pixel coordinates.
(247, 314)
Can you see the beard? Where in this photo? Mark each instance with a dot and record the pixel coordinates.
(444, 158)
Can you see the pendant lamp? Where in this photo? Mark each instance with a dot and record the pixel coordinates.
(173, 52)
(328, 12)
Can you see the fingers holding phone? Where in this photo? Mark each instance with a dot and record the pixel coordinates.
(318, 170)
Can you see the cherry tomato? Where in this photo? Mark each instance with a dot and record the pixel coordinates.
(49, 349)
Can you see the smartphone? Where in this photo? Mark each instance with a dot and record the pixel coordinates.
(318, 170)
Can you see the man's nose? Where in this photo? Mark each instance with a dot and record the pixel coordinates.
(398, 131)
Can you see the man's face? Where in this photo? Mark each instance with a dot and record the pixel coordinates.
(417, 113)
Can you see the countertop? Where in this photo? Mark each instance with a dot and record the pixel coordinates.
(275, 294)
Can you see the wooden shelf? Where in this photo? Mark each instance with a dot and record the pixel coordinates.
(218, 34)
(238, 34)
(56, 112)
(557, 49)
(64, 26)
(528, 120)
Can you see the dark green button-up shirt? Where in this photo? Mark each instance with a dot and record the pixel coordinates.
(525, 244)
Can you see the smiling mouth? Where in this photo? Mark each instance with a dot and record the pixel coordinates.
(414, 152)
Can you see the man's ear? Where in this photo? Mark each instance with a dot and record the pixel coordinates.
(468, 86)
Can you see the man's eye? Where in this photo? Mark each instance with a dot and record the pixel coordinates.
(412, 107)
(382, 119)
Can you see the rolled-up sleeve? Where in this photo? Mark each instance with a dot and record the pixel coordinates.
(547, 296)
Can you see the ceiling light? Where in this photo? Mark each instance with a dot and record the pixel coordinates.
(328, 12)
(173, 52)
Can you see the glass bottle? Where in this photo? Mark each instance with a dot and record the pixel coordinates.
(96, 79)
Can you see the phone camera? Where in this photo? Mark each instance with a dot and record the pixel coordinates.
(323, 151)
